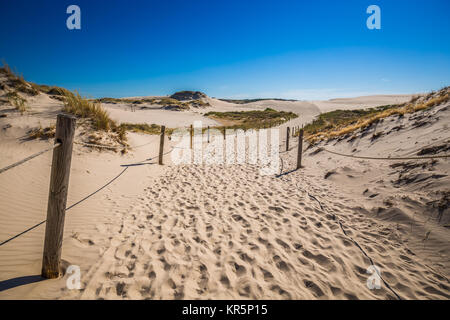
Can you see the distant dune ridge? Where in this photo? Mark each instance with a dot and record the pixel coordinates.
(188, 95)
(225, 231)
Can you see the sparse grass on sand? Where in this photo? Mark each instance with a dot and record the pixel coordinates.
(166, 102)
(254, 119)
(42, 133)
(341, 122)
(17, 101)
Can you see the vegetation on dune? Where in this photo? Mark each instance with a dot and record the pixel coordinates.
(244, 101)
(75, 104)
(12, 76)
(125, 100)
(50, 90)
(188, 95)
(17, 82)
(165, 102)
(341, 122)
(145, 128)
(253, 119)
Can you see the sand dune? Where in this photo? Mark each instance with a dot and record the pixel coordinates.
(361, 102)
(226, 231)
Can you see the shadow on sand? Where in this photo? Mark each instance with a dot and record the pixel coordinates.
(19, 281)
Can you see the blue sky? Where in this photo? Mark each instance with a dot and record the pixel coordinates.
(235, 48)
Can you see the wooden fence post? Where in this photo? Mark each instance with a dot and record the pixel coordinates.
(224, 132)
(300, 149)
(208, 134)
(161, 144)
(287, 138)
(57, 198)
(192, 134)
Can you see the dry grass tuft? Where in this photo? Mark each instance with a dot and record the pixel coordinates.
(17, 101)
(42, 133)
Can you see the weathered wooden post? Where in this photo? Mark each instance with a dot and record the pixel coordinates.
(300, 149)
(287, 138)
(224, 132)
(57, 198)
(192, 134)
(208, 134)
(161, 144)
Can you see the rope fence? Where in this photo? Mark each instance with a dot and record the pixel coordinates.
(18, 163)
(86, 197)
(96, 145)
(385, 158)
(68, 208)
(300, 152)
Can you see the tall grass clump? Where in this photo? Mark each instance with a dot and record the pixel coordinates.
(75, 104)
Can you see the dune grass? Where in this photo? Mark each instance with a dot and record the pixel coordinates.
(14, 76)
(341, 122)
(253, 119)
(50, 90)
(167, 102)
(75, 104)
(145, 128)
